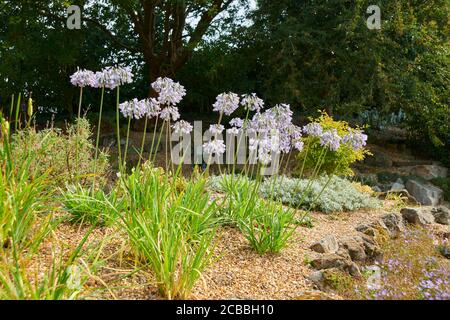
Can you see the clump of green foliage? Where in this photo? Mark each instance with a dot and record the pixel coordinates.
(55, 153)
(334, 162)
(171, 230)
(87, 206)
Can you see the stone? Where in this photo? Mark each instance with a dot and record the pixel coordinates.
(441, 215)
(393, 223)
(316, 277)
(426, 193)
(398, 185)
(328, 244)
(429, 172)
(420, 216)
(329, 260)
(355, 248)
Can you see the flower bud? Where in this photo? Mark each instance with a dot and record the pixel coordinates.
(30, 107)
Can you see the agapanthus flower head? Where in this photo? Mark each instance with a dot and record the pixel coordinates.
(182, 127)
(170, 92)
(331, 139)
(281, 113)
(83, 78)
(152, 108)
(237, 122)
(216, 129)
(170, 114)
(215, 146)
(226, 103)
(357, 139)
(133, 109)
(112, 77)
(252, 102)
(313, 129)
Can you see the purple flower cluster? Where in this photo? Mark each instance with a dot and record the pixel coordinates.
(252, 102)
(170, 92)
(133, 109)
(137, 109)
(313, 129)
(109, 77)
(170, 113)
(226, 103)
(182, 127)
(215, 146)
(435, 285)
(331, 139)
(357, 139)
(83, 78)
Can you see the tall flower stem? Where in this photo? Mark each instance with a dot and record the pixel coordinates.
(159, 140)
(239, 142)
(78, 130)
(153, 137)
(126, 144)
(98, 138)
(119, 156)
(143, 141)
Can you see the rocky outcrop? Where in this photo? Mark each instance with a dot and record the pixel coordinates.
(429, 172)
(425, 193)
(441, 215)
(419, 216)
(329, 244)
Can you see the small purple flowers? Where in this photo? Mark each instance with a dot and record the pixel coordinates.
(83, 78)
(226, 103)
(252, 102)
(109, 77)
(170, 92)
(214, 147)
(134, 109)
(331, 139)
(357, 139)
(182, 127)
(313, 129)
(170, 113)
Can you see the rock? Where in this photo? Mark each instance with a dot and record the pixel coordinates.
(426, 194)
(332, 260)
(398, 185)
(329, 260)
(441, 215)
(329, 244)
(371, 248)
(379, 159)
(353, 269)
(317, 277)
(420, 216)
(429, 172)
(393, 223)
(355, 248)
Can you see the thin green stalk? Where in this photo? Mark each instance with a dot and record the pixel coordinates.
(143, 142)
(98, 138)
(16, 123)
(126, 144)
(119, 156)
(154, 136)
(78, 128)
